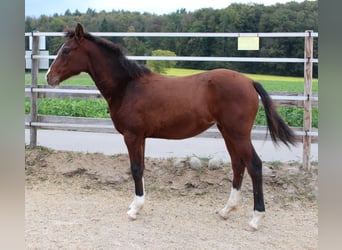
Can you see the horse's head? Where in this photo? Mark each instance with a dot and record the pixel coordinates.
(71, 58)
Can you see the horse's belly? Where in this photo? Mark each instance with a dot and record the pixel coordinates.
(181, 129)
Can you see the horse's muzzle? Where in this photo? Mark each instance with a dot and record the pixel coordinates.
(52, 80)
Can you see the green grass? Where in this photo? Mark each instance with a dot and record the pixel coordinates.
(97, 108)
(270, 83)
(182, 72)
(82, 79)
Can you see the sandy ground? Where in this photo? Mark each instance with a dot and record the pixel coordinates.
(79, 201)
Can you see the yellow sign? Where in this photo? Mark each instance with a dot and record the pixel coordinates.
(248, 43)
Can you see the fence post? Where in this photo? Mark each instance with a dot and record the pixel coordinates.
(308, 65)
(34, 84)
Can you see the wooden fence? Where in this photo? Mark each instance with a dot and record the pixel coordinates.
(305, 99)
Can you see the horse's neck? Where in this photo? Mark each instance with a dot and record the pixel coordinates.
(107, 77)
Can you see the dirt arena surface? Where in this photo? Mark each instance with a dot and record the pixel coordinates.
(79, 201)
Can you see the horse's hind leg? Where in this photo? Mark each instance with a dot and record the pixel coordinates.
(238, 172)
(255, 171)
(245, 150)
(243, 155)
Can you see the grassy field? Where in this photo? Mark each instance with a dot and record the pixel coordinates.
(271, 83)
(98, 107)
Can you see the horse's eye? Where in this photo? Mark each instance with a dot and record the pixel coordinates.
(65, 51)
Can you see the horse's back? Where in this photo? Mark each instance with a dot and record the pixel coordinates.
(229, 87)
(222, 89)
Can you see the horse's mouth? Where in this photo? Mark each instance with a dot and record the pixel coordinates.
(52, 81)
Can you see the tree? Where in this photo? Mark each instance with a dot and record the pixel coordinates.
(77, 13)
(67, 13)
(104, 26)
(161, 66)
(238, 18)
(133, 45)
(91, 12)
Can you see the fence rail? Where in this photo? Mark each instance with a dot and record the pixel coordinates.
(290, 99)
(305, 100)
(200, 58)
(184, 34)
(105, 125)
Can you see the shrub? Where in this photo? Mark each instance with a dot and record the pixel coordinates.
(161, 66)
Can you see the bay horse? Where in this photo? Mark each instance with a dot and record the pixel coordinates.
(144, 104)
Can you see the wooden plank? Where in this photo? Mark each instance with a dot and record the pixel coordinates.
(279, 98)
(308, 65)
(180, 34)
(34, 96)
(105, 125)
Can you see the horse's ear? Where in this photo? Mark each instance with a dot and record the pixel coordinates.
(79, 33)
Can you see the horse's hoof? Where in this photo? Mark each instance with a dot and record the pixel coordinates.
(223, 215)
(250, 228)
(253, 224)
(131, 217)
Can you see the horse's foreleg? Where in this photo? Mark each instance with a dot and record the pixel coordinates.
(136, 148)
(138, 201)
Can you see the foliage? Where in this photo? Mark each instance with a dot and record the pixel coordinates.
(293, 116)
(95, 108)
(289, 17)
(161, 66)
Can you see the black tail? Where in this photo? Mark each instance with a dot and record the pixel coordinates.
(276, 125)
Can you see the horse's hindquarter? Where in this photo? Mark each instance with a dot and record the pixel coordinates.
(234, 99)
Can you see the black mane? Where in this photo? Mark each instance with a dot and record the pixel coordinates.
(132, 68)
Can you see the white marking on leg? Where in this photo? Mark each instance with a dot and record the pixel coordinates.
(257, 217)
(143, 182)
(135, 207)
(137, 204)
(232, 203)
